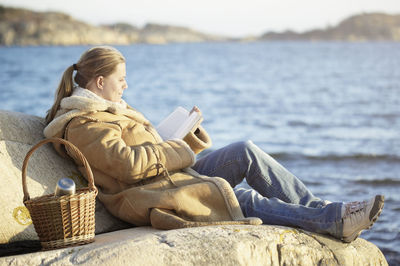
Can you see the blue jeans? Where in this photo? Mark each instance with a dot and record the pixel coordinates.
(276, 196)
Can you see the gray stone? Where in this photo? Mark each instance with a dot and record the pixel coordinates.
(18, 133)
(213, 245)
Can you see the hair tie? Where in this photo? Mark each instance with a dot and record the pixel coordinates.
(75, 67)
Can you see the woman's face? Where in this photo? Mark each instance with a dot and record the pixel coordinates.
(115, 84)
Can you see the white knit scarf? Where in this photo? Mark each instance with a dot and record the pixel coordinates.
(78, 91)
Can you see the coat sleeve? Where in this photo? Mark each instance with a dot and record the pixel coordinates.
(104, 148)
(198, 140)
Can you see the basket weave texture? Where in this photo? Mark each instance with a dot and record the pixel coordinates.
(63, 221)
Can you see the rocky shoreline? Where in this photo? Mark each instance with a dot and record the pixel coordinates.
(22, 27)
(358, 28)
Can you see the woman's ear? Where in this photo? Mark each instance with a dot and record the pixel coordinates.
(100, 82)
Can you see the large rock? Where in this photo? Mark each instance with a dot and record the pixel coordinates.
(214, 245)
(18, 133)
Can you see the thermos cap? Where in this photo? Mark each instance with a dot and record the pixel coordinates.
(66, 183)
(65, 186)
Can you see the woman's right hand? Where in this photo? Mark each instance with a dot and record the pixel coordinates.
(195, 109)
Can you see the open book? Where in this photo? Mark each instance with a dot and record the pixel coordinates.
(179, 123)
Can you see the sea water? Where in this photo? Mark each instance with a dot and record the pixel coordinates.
(329, 112)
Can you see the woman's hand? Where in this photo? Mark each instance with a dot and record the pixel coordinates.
(195, 109)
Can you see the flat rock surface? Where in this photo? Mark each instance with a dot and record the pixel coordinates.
(212, 245)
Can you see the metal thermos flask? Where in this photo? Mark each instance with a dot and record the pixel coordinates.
(65, 186)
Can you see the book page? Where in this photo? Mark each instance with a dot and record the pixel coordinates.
(193, 120)
(178, 123)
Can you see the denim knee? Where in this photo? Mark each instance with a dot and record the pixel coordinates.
(251, 149)
(246, 146)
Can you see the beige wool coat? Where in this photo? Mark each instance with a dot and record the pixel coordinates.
(142, 179)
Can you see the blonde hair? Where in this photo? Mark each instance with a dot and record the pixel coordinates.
(97, 61)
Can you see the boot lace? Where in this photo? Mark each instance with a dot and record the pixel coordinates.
(354, 207)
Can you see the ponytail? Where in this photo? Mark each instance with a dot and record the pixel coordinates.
(64, 90)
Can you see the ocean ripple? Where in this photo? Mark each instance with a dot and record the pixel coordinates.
(379, 182)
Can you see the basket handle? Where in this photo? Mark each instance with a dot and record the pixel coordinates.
(74, 150)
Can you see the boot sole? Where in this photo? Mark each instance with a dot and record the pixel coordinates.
(373, 216)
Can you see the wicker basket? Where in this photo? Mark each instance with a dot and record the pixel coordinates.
(67, 220)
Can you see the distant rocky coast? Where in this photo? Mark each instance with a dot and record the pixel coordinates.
(358, 28)
(24, 27)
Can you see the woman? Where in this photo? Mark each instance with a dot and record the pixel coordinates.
(145, 180)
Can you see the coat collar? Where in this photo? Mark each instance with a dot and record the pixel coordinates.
(78, 91)
(74, 106)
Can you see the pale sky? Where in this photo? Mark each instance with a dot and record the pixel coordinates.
(236, 18)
